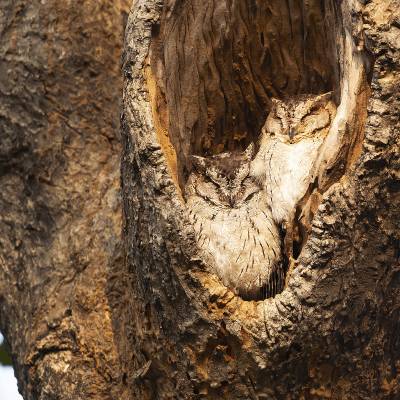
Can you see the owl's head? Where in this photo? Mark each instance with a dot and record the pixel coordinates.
(223, 180)
(300, 116)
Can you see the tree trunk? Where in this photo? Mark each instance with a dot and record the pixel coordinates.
(199, 79)
(60, 215)
(87, 315)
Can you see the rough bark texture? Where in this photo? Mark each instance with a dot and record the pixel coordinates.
(60, 216)
(87, 319)
(332, 333)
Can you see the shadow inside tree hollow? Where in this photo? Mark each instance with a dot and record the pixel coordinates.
(262, 50)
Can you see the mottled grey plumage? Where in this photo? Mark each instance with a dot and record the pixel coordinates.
(233, 224)
(289, 144)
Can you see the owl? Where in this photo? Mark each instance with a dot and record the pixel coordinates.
(299, 117)
(233, 224)
(289, 144)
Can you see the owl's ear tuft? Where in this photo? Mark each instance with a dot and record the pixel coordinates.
(199, 163)
(249, 153)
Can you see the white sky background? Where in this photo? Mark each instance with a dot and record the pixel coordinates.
(8, 384)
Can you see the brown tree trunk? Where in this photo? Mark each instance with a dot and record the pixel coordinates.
(60, 218)
(90, 316)
(199, 78)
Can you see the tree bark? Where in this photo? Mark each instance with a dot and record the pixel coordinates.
(60, 214)
(88, 315)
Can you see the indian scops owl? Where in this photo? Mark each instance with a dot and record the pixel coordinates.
(233, 224)
(289, 144)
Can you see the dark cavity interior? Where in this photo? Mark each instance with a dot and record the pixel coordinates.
(218, 63)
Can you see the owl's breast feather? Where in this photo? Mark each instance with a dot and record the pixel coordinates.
(243, 243)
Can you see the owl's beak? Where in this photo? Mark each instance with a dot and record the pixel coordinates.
(227, 199)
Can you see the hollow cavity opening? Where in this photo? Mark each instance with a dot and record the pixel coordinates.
(216, 65)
